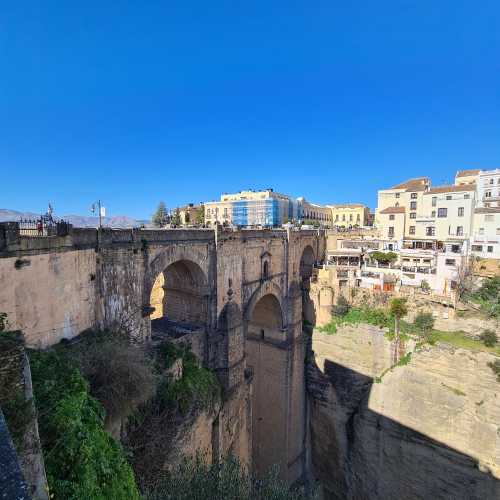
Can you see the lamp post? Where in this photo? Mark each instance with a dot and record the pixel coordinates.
(100, 209)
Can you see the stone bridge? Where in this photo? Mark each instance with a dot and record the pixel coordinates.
(236, 296)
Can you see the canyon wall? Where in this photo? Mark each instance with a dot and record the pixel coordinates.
(427, 429)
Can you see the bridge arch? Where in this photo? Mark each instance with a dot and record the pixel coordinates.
(179, 296)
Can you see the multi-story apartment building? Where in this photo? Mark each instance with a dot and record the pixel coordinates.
(263, 208)
(349, 215)
(398, 207)
(485, 240)
(447, 212)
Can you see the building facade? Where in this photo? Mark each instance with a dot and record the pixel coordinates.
(265, 208)
(349, 215)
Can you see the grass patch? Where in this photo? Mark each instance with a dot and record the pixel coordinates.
(461, 340)
(455, 391)
(356, 316)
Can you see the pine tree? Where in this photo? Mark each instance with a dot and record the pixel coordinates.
(160, 217)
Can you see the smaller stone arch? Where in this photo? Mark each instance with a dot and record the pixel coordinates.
(307, 260)
(267, 287)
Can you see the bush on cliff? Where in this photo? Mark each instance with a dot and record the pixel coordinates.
(342, 307)
(424, 324)
(488, 296)
(82, 461)
(489, 338)
(120, 375)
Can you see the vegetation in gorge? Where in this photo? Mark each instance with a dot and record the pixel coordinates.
(489, 338)
(153, 426)
(424, 324)
(120, 375)
(198, 386)
(16, 408)
(488, 297)
(495, 366)
(194, 480)
(81, 459)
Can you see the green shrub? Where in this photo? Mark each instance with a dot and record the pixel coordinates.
(197, 386)
(383, 257)
(495, 366)
(424, 323)
(82, 461)
(488, 296)
(489, 338)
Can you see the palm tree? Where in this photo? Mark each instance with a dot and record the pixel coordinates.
(398, 309)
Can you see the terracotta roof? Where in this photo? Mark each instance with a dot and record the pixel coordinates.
(417, 184)
(393, 210)
(466, 173)
(487, 210)
(452, 189)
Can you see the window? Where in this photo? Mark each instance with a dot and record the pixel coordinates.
(449, 197)
(433, 213)
(208, 212)
(466, 196)
(225, 213)
(413, 215)
(491, 181)
(392, 217)
(487, 205)
(412, 229)
(498, 230)
(265, 270)
(391, 232)
(460, 211)
(477, 248)
(450, 262)
(489, 218)
(350, 217)
(434, 201)
(413, 196)
(460, 231)
(337, 218)
(490, 248)
(430, 231)
(343, 217)
(481, 230)
(487, 194)
(442, 212)
(413, 205)
(397, 195)
(397, 204)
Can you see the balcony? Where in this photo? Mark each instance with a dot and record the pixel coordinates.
(419, 270)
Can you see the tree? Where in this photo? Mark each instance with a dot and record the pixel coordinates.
(424, 285)
(342, 307)
(200, 216)
(383, 257)
(160, 217)
(398, 309)
(176, 217)
(489, 338)
(424, 323)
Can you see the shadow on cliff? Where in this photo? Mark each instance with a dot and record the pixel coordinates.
(360, 454)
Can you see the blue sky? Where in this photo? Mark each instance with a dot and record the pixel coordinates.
(134, 102)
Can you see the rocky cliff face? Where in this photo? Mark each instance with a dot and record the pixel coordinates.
(428, 429)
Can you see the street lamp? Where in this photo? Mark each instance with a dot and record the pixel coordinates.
(101, 211)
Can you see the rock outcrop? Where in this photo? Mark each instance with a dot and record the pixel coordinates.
(427, 429)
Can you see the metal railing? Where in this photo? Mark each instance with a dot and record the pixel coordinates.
(43, 227)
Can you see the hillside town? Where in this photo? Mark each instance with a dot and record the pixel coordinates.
(420, 236)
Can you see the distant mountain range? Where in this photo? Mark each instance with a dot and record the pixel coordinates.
(118, 221)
